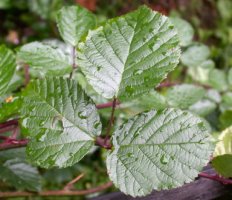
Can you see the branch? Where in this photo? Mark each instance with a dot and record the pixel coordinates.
(9, 123)
(69, 185)
(12, 143)
(106, 105)
(57, 192)
(216, 178)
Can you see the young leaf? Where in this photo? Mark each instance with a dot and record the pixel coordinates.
(218, 79)
(222, 161)
(7, 68)
(130, 54)
(158, 150)
(21, 175)
(74, 22)
(44, 57)
(183, 96)
(62, 120)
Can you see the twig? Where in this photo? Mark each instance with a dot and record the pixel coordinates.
(73, 62)
(111, 120)
(57, 192)
(9, 123)
(106, 105)
(69, 185)
(15, 133)
(216, 178)
(103, 142)
(7, 128)
(12, 143)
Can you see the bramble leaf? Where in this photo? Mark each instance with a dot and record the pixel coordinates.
(74, 22)
(7, 68)
(183, 96)
(158, 150)
(62, 120)
(53, 61)
(130, 54)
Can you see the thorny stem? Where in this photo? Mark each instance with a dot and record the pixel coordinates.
(57, 192)
(111, 121)
(73, 62)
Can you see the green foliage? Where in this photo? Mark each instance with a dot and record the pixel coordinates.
(129, 55)
(154, 151)
(46, 58)
(62, 121)
(222, 161)
(73, 23)
(7, 68)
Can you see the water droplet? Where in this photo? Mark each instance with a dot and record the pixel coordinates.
(57, 123)
(99, 68)
(164, 160)
(71, 154)
(138, 72)
(171, 26)
(81, 115)
(129, 155)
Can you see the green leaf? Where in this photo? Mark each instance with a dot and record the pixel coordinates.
(183, 96)
(222, 161)
(230, 78)
(226, 119)
(74, 22)
(185, 31)
(44, 57)
(195, 55)
(9, 109)
(62, 120)
(130, 54)
(203, 107)
(158, 150)
(21, 175)
(10, 154)
(7, 68)
(218, 79)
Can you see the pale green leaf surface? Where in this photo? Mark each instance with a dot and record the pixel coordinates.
(223, 153)
(7, 68)
(158, 150)
(195, 55)
(45, 57)
(203, 107)
(63, 122)
(185, 31)
(230, 78)
(183, 96)
(130, 54)
(218, 79)
(74, 22)
(21, 175)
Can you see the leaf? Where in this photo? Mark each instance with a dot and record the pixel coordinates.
(158, 150)
(203, 107)
(226, 119)
(7, 68)
(230, 78)
(222, 161)
(11, 154)
(218, 80)
(9, 109)
(183, 96)
(130, 54)
(20, 175)
(195, 55)
(63, 122)
(185, 31)
(74, 22)
(44, 57)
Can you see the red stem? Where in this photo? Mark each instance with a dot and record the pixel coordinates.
(107, 105)
(9, 123)
(12, 143)
(216, 178)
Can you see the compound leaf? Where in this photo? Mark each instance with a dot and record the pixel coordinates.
(74, 22)
(158, 150)
(130, 54)
(62, 120)
(7, 68)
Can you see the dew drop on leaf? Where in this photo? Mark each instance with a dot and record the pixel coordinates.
(81, 115)
(163, 160)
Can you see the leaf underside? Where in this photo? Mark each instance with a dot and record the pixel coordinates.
(129, 55)
(62, 121)
(158, 150)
